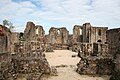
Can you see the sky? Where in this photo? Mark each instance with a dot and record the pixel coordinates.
(60, 13)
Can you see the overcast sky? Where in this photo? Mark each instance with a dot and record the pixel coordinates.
(61, 13)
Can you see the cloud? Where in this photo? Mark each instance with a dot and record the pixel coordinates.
(61, 12)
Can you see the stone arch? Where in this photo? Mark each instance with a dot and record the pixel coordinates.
(99, 40)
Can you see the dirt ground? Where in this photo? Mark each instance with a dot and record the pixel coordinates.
(66, 66)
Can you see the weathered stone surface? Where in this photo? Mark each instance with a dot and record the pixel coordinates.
(33, 32)
(77, 32)
(6, 69)
(95, 65)
(87, 34)
(113, 39)
(58, 37)
(5, 39)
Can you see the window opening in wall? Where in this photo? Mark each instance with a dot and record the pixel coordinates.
(99, 32)
(21, 35)
(80, 31)
(58, 32)
(37, 31)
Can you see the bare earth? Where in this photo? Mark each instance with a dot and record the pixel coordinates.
(66, 66)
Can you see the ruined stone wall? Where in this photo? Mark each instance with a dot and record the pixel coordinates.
(95, 66)
(86, 32)
(52, 35)
(95, 59)
(77, 33)
(5, 39)
(30, 59)
(29, 32)
(93, 34)
(6, 69)
(58, 37)
(113, 40)
(15, 39)
(98, 34)
(100, 49)
(64, 34)
(95, 49)
(32, 32)
(40, 31)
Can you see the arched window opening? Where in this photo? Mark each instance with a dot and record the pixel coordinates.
(99, 41)
(80, 31)
(58, 31)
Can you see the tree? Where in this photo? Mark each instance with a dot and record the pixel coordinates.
(9, 24)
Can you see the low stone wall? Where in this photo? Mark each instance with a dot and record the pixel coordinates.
(95, 65)
(33, 62)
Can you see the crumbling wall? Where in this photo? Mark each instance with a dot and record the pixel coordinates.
(76, 33)
(95, 59)
(29, 32)
(30, 60)
(58, 37)
(6, 69)
(15, 39)
(113, 39)
(5, 39)
(98, 34)
(86, 30)
(93, 34)
(95, 65)
(32, 32)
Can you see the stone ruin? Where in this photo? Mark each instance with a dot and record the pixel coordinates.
(93, 51)
(58, 37)
(95, 60)
(22, 56)
(23, 53)
(5, 39)
(30, 62)
(87, 34)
